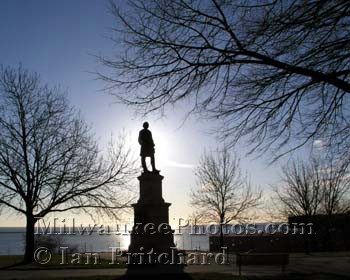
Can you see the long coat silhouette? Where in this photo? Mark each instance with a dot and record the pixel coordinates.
(146, 142)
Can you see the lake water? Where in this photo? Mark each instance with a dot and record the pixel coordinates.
(12, 241)
(187, 238)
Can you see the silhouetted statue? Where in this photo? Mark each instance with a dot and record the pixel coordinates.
(147, 147)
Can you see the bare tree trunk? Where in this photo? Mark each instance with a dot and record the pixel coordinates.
(306, 236)
(307, 244)
(49, 159)
(223, 194)
(29, 249)
(221, 235)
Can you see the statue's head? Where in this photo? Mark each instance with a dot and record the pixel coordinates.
(145, 125)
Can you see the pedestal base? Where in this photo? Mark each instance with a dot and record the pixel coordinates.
(152, 237)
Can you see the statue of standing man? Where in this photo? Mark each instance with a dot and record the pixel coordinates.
(147, 147)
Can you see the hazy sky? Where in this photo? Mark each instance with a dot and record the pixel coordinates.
(58, 39)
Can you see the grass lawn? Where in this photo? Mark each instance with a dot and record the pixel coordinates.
(221, 276)
(321, 254)
(56, 260)
(9, 260)
(55, 263)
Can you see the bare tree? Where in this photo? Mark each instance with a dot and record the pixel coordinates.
(223, 194)
(300, 192)
(49, 161)
(335, 186)
(273, 72)
(318, 186)
(310, 188)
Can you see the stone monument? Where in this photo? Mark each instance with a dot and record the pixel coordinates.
(151, 239)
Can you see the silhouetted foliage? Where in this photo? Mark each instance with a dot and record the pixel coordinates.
(273, 72)
(49, 161)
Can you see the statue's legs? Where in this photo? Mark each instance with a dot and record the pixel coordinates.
(143, 162)
(144, 165)
(153, 163)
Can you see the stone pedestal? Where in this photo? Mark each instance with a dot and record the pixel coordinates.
(151, 233)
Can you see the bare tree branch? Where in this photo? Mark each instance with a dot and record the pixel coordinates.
(273, 73)
(49, 161)
(223, 194)
(320, 186)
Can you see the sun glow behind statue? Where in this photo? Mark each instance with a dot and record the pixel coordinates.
(162, 146)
